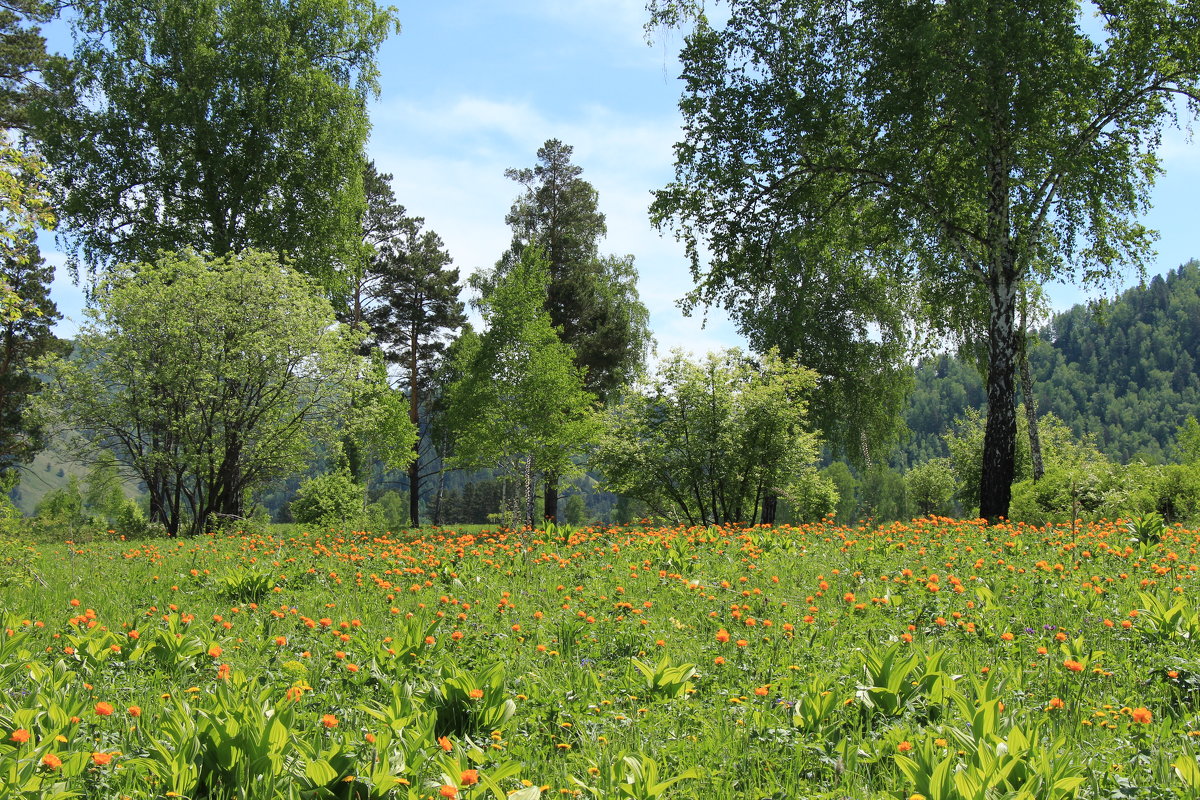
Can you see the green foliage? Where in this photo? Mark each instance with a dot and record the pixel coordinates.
(329, 500)
(204, 406)
(1070, 462)
(576, 513)
(519, 399)
(847, 487)
(186, 124)
(705, 442)
(1187, 438)
(592, 299)
(966, 150)
(930, 487)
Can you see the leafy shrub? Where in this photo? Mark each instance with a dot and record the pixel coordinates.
(328, 500)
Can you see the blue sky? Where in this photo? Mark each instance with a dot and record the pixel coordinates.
(470, 88)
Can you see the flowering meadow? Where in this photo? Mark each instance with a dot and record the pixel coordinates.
(937, 659)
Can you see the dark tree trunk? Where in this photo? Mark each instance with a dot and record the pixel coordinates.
(1000, 437)
(414, 469)
(550, 502)
(770, 507)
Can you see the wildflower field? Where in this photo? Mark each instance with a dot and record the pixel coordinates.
(938, 659)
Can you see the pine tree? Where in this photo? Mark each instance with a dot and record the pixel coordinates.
(415, 308)
(24, 338)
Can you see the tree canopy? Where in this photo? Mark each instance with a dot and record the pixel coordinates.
(964, 146)
(217, 126)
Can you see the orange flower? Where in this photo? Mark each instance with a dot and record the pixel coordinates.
(1055, 702)
(101, 759)
(469, 777)
(215, 651)
(51, 761)
(134, 711)
(742, 643)
(445, 744)
(448, 791)
(104, 709)
(329, 721)
(370, 737)
(1073, 665)
(475, 694)
(722, 636)
(1141, 715)
(761, 691)
(281, 640)
(223, 672)
(904, 746)
(719, 660)
(20, 736)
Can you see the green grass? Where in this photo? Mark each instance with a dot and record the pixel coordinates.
(806, 662)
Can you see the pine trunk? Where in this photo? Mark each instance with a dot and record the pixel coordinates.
(414, 405)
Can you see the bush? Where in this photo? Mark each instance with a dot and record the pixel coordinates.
(329, 500)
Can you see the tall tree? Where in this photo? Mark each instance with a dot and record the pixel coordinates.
(973, 145)
(519, 400)
(26, 311)
(591, 299)
(417, 308)
(216, 125)
(24, 338)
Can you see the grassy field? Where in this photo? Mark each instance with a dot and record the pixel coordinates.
(939, 659)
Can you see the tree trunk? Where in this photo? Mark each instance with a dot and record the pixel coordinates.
(437, 499)
(528, 492)
(1035, 441)
(414, 408)
(550, 502)
(1000, 436)
(770, 507)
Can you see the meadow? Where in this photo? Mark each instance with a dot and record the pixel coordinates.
(936, 659)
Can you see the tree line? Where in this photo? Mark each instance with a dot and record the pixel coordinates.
(853, 180)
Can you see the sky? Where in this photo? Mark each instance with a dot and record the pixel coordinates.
(470, 88)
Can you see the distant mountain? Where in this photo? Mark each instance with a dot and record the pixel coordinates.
(1124, 371)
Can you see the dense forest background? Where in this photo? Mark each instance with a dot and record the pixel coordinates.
(1122, 371)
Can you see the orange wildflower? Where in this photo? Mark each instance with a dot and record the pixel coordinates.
(329, 721)
(1142, 715)
(104, 709)
(20, 736)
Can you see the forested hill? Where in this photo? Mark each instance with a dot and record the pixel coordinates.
(1124, 372)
